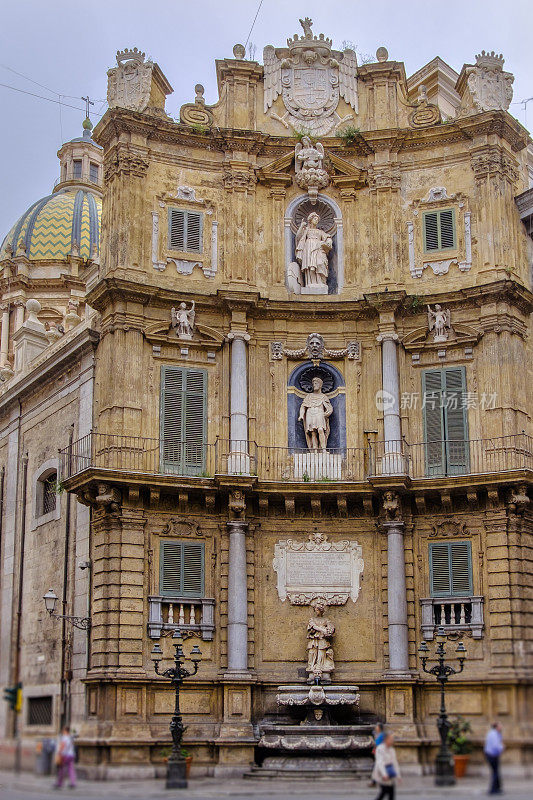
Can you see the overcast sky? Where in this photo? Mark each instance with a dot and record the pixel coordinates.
(68, 46)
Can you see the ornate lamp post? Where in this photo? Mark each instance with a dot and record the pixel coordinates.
(50, 601)
(176, 763)
(444, 770)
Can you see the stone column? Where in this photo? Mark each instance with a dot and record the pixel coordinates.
(4, 337)
(237, 598)
(239, 460)
(392, 461)
(396, 598)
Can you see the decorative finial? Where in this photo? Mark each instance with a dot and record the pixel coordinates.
(490, 61)
(239, 52)
(199, 99)
(382, 54)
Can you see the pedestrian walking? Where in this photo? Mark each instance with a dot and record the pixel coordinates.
(65, 755)
(493, 749)
(386, 770)
(379, 734)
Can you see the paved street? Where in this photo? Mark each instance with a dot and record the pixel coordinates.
(31, 787)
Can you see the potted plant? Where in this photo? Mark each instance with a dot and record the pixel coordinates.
(460, 744)
(166, 751)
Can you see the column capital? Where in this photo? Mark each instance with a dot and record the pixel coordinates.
(392, 526)
(236, 334)
(387, 336)
(237, 526)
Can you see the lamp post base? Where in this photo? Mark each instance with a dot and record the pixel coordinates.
(176, 775)
(444, 771)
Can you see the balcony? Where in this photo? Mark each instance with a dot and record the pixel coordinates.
(190, 616)
(454, 614)
(116, 456)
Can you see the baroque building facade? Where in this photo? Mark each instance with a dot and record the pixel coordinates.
(298, 382)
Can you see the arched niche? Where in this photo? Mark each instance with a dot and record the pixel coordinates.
(330, 222)
(299, 384)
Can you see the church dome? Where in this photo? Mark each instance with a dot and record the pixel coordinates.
(56, 226)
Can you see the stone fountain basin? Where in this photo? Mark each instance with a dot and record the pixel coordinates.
(317, 695)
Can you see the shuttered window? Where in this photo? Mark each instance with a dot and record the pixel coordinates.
(450, 565)
(185, 230)
(181, 569)
(183, 420)
(445, 421)
(439, 230)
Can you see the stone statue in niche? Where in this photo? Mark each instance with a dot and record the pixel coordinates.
(439, 321)
(312, 248)
(320, 663)
(315, 411)
(183, 320)
(308, 162)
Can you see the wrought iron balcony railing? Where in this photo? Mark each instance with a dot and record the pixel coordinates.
(429, 460)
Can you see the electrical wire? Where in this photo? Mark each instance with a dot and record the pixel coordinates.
(253, 23)
(42, 97)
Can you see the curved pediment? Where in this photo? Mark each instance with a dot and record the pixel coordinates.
(459, 334)
(203, 336)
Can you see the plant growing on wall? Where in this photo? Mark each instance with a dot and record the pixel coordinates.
(348, 135)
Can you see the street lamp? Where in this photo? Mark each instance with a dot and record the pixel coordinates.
(50, 600)
(176, 778)
(444, 771)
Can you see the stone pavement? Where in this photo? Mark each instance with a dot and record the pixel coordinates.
(27, 786)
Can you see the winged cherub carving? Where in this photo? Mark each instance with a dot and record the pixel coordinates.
(439, 321)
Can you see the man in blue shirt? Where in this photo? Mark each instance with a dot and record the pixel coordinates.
(493, 750)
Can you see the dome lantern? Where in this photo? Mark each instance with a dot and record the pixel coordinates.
(81, 163)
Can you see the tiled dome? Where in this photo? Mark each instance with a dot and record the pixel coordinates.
(56, 225)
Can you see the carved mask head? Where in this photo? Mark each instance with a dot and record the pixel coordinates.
(315, 345)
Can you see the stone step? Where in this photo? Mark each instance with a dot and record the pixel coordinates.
(315, 767)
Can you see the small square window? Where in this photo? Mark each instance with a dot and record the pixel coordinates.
(40, 710)
(439, 230)
(185, 230)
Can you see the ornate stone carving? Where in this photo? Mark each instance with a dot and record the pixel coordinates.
(237, 504)
(518, 500)
(126, 163)
(318, 568)
(176, 526)
(183, 320)
(448, 528)
(392, 505)
(425, 113)
(312, 248)
(239, 180)
(315, 349)
(320, 663)
(103, 497)
(492, 162)
(490, 87)
(197, 113)
(439, 321)
(311, 77)
(380, 178)
(308, 163)
(129, 83)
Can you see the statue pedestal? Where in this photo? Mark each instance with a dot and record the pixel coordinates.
(316, 465)
(314, 289)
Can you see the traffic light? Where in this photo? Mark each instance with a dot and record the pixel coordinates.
(13, 697)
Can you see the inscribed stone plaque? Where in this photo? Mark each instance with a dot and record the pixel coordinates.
(318, 568)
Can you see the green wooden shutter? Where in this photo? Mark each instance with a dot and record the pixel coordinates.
(176, 229)
(450, 569)
(194, 232)
(439, 561)
(455, 421)
(181, 569)
(433, 422)
(445, 421)
(194, 421)
(183, 420)
(439, 230)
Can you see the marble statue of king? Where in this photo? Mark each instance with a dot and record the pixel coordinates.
(315, 411)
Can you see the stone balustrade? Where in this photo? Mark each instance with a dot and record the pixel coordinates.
(169, 613)
(455, 614)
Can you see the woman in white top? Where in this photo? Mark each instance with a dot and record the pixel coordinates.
(65, 757)
(386, 770)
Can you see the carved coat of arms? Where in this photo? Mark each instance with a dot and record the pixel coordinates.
(311, 77)
(129, 83)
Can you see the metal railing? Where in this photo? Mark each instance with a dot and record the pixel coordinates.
(283, 464)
